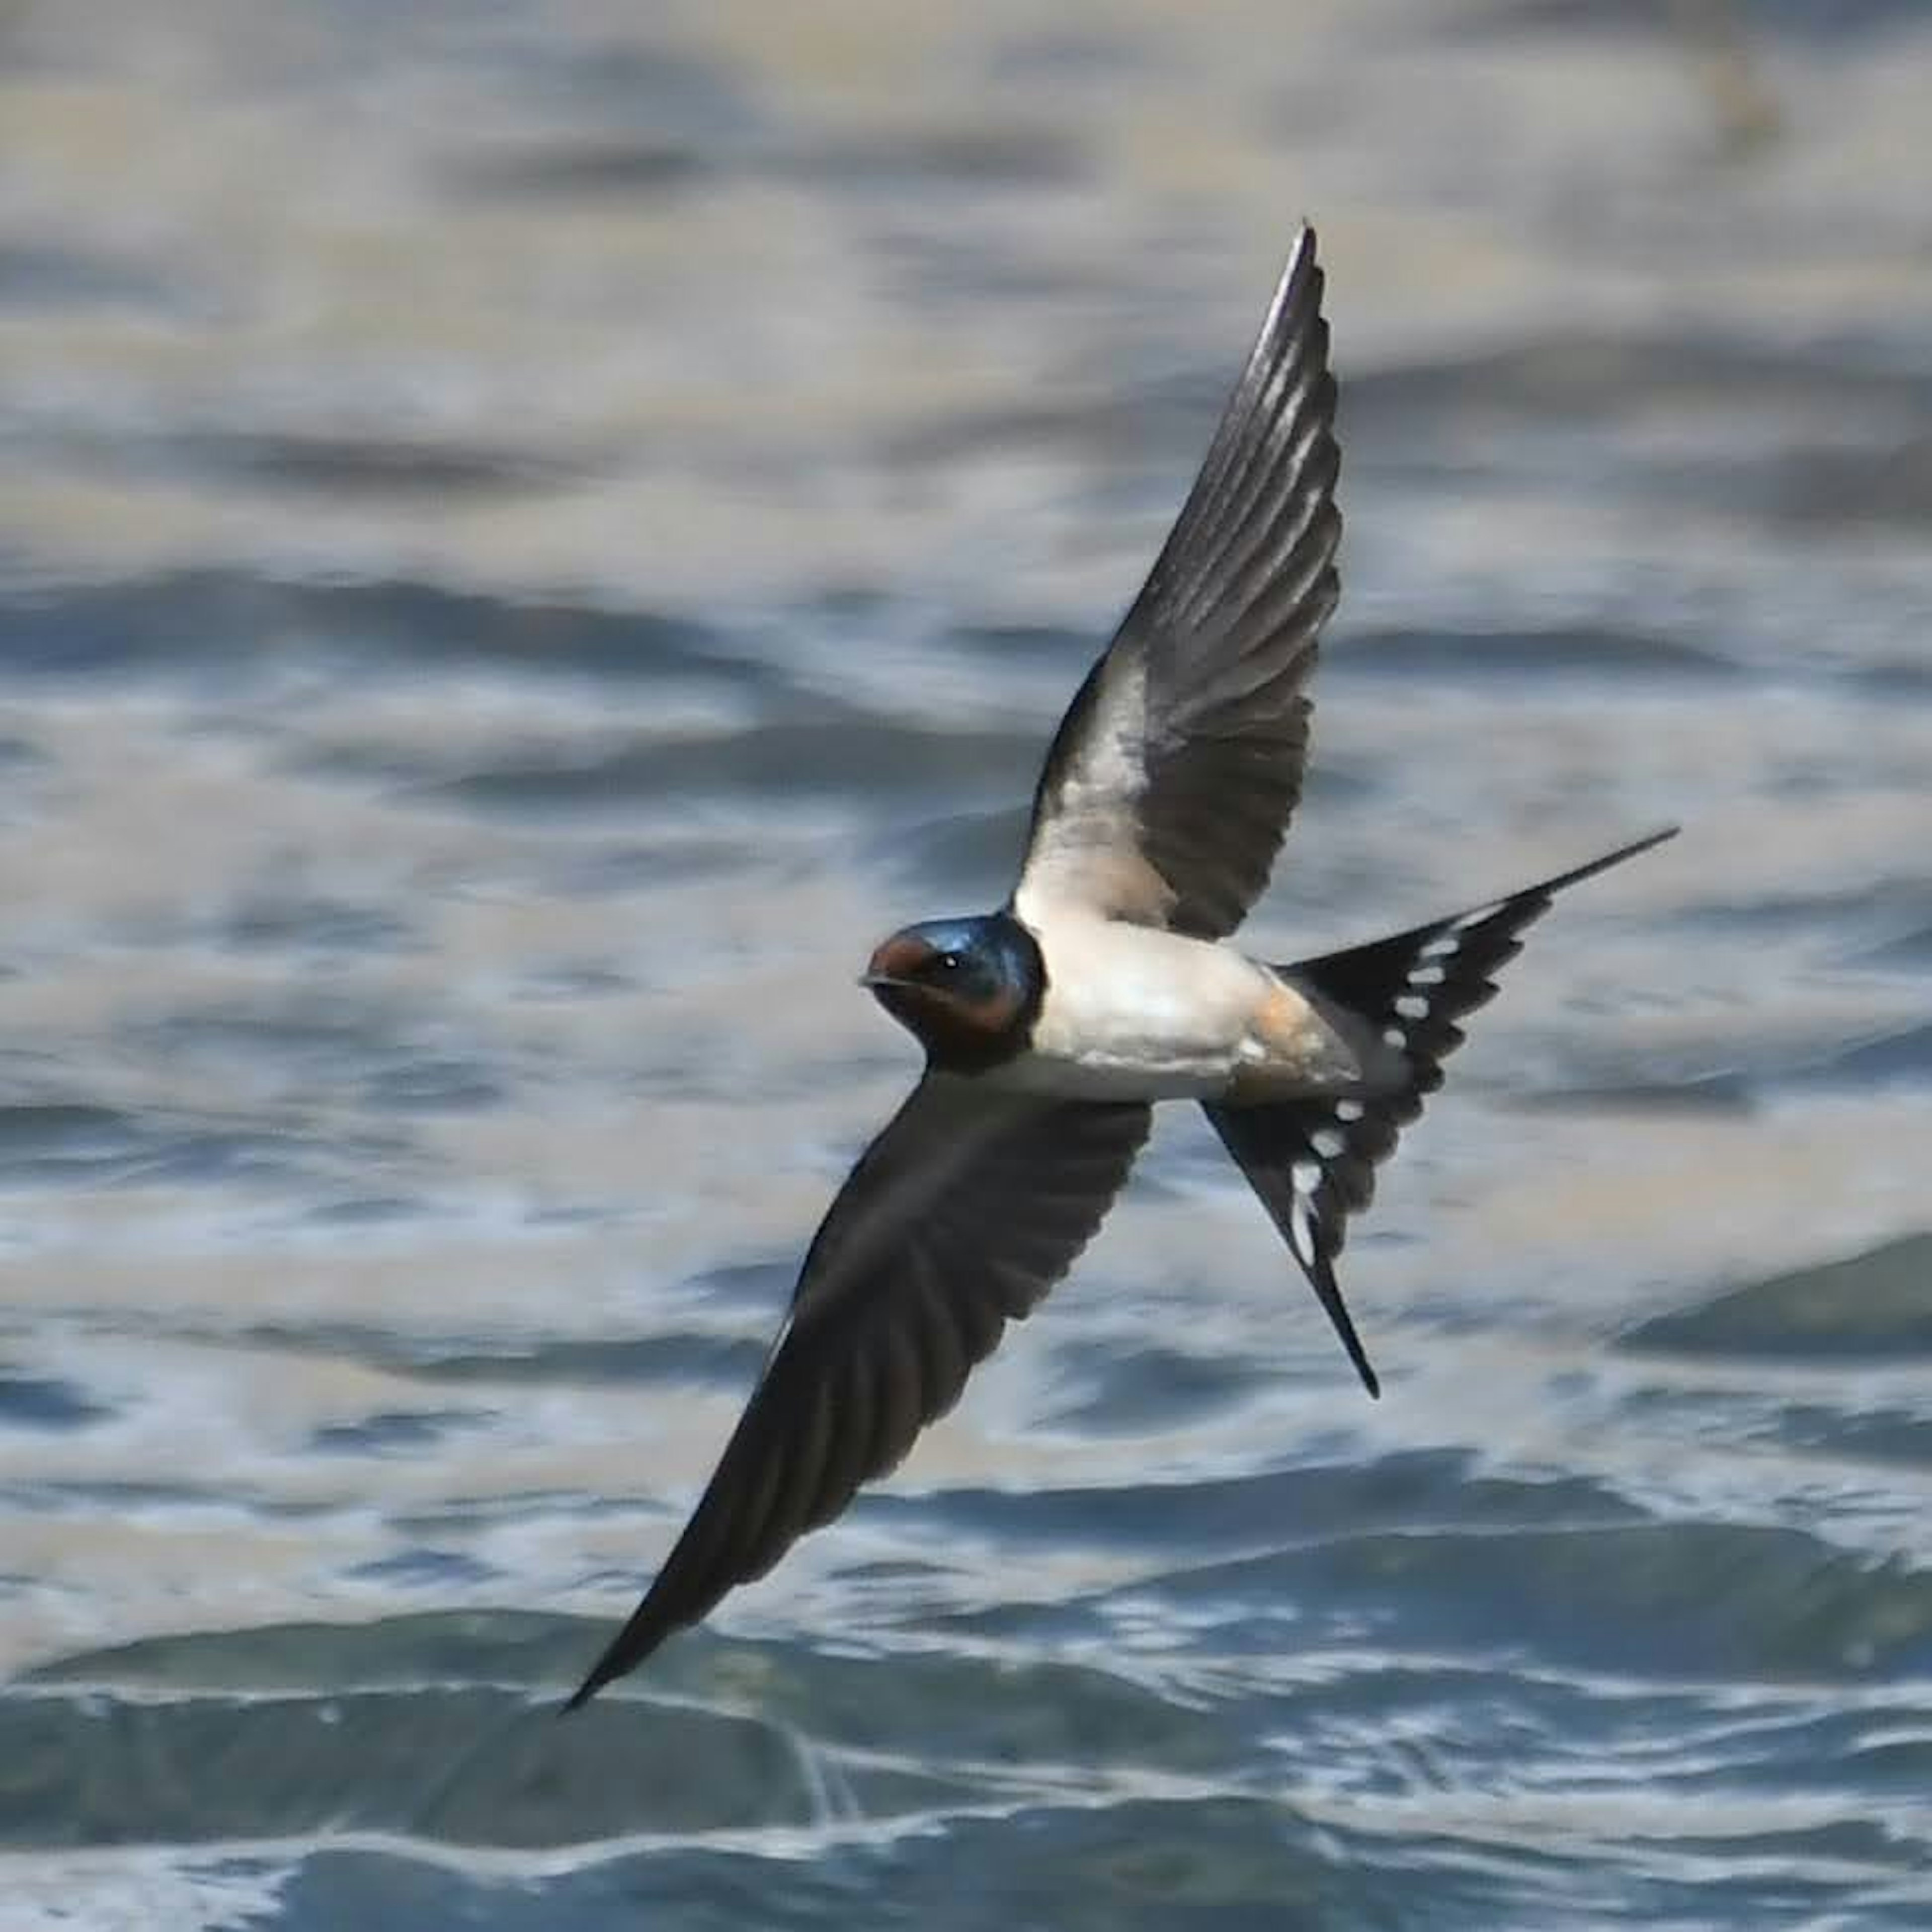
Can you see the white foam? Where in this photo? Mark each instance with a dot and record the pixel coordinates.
(137, 1888)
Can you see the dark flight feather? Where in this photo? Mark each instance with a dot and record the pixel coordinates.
(957, 1220)
(1170, 783)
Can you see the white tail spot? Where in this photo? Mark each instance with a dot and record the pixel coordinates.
(1394, 1035)
(1327, 1143)
(1349, 1111)
(1426, 976)
(1301, 1230)
(1443, 945)
(1305, 1177)
(1412, 1007)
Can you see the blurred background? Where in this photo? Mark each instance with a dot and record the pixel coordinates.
(530, 535)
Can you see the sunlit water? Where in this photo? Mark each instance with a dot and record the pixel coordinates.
(528, 537)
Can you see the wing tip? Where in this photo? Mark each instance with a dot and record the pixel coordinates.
(1296, 303)
(632, 1645)
(1301, 284)
(606, 1669)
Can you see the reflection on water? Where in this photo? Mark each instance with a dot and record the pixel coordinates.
(526, 540)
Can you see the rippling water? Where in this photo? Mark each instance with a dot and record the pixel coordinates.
(528, 537)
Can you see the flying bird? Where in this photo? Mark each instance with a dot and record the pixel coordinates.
(1104, 984)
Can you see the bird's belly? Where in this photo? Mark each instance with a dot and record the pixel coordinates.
(1136, 1016)
(1122, 1073)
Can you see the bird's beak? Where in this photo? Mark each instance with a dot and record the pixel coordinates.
(892, 962)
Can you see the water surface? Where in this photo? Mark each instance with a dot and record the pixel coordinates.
(528, 538)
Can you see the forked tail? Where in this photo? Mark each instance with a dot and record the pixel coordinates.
(1313, 1161)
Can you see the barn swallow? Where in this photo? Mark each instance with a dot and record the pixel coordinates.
(1106, 983)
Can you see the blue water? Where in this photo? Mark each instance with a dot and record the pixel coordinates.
(530, 537)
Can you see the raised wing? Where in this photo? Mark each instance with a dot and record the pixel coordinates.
(957, 1219)
(1169, 785)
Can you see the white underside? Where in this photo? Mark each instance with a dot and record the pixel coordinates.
(1113, 1076)
(1132, 1013)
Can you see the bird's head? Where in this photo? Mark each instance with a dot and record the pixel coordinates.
(967, 989)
